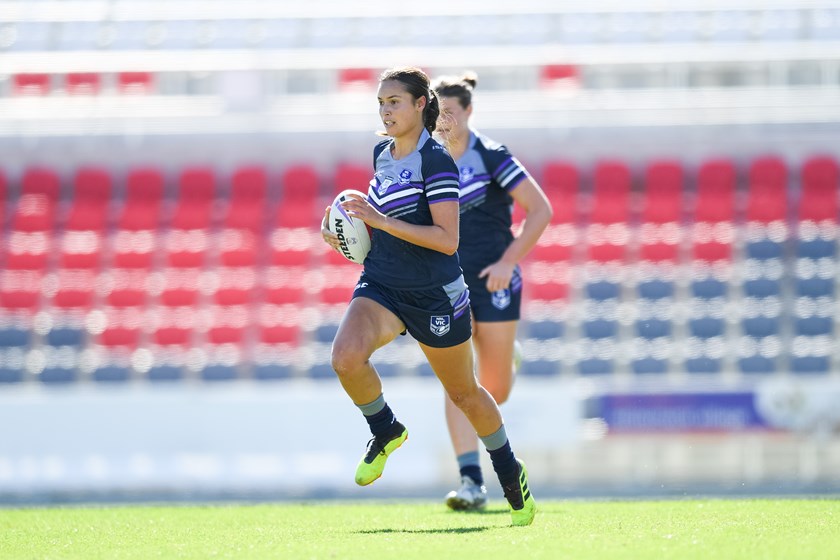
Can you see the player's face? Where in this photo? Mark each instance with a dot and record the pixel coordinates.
(400, 112)
(454, 119)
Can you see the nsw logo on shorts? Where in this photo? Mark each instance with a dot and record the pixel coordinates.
(439, 324)
(500, 299)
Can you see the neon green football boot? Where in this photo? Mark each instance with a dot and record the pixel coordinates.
(378, 449)
(523, 508)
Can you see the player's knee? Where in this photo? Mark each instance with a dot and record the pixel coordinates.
(346, 359)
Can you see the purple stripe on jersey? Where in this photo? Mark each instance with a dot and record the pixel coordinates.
(453, 198)
(475, 194)
(442, 175)
(501, 165)
(404, 201)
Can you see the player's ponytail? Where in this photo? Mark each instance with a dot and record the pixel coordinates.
(431, 112)
(460, 88)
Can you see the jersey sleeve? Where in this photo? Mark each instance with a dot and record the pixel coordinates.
(378, 149)
(440, 176)
(505, 169)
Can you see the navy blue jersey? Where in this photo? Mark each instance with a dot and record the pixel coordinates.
(488, 172)
(404, 189)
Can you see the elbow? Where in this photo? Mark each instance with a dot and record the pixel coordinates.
(449, 249)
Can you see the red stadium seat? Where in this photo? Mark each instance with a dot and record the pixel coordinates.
(40, 180)
(357, 79)
(31, 84)
(818, 199)
(84, 229)
(228, 324)
(233, 286)
(179, 287)
(299, 182)
(351, 176)
(607, 233)
(25, 250)
(559, 75)
(545, 281)
(767, 191)
(134, 249)
(660, 233)
(282, 285)
(820, 171)
(74, 289)
(121, 287)
(246, 207)
(194, 204)
(135, 82)
(240, 247)
(715, 198)
(337, 283)
(141, 209)
(293, 247)
(186, 248)
(39, 196)
(21, 290)
(278, 325)
(174, 326)
(299, 203)
(560, 182)
(82, 83)
(123, 328)
(714, 212)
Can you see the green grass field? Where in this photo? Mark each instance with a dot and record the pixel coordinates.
(707, 529)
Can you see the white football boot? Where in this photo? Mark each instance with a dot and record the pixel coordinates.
(470, 496)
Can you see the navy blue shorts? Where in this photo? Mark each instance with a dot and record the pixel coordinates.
(437, 317)
(501, 305)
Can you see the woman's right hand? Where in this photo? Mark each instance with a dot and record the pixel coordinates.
(330, 238)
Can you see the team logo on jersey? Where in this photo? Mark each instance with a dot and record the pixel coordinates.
(439, 324)
(405, 176)
(500, 299)
(383, 186)
(467, 173)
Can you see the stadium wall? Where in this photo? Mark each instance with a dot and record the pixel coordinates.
(301, 440)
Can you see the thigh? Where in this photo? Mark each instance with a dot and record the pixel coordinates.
(366, 326)
(493, 342)
(454, 366)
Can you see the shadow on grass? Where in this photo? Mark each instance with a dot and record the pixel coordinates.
(425, 531)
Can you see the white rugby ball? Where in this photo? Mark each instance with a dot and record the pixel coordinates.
(353, 234)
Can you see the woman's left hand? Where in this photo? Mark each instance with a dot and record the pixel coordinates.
(359, 207)
(498, 275)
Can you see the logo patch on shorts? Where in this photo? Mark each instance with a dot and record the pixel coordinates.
(500, 299)
(439, 324)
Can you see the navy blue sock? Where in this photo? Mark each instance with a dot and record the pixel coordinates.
(501, 455)
(504, 463)
(469, 465)
(474, 472)
(379, 416)
(381, 422)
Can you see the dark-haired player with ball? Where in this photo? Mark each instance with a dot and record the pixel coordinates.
(412, 282)
(491, 180)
